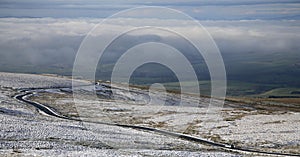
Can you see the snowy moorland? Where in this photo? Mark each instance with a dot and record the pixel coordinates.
(25, 131)
(28, 131)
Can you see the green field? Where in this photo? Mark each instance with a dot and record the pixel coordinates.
(282, 92)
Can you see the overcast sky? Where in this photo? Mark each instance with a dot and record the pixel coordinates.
(199, 9)
(34, 29)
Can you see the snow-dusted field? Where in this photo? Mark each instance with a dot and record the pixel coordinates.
(26, 132)
(240, 124)
(276, 132)
(16, 81)
(31, 81)
(48, 137)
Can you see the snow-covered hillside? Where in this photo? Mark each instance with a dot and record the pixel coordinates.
(28, 131)
(25, 131)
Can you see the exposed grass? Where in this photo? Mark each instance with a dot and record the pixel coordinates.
(51, 100)
(269, 104)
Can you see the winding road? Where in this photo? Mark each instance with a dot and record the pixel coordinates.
(25, 94)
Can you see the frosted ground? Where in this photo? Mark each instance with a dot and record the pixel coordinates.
(26, 131)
